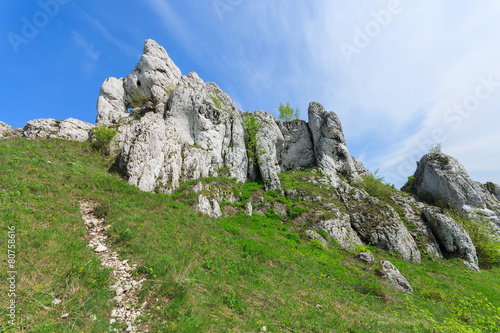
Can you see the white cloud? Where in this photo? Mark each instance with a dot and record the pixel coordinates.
(87, 46)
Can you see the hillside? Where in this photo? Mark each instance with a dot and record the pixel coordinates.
(236, 273)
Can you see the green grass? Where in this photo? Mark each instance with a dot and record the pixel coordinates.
(234, 274)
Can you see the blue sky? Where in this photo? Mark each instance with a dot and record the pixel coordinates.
(401, 75)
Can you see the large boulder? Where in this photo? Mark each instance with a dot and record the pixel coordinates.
(330, 148)
(442, 177)
(69, 129)
(390, 272)
(453, 239)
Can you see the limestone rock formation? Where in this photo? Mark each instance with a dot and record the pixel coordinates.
(6, 131)
(444, 178)
(330, 149)
(111, 102)
(339, 228)
(69, 129)
(451, 236)
(297, 149)
(391, 273)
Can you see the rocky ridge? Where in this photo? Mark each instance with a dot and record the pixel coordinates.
(174, 129)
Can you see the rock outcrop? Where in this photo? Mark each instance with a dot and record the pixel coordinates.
(391, 273)
(182, 128)
(330, 148)
(451, 236)
(6, 131)
(69, 129)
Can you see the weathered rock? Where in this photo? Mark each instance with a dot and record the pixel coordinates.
(4, 128)
(339, 228)
(419, 228)
(111, 102)
(391, 273)
(330, 149)
(360, 168)
(195, 139)
(314, 235)
(209, 207)
(297, 149)
(366, 257)
(386, 232)
(444, 178)
(153, 79)
(451, 236)
(269, 143)
(69, 129)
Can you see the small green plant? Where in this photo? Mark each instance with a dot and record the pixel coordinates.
(252, 126)
(287, 113)
(323, 234)
(139, 100)
(317, 244)
(436, 148)
(362, 248)
(491, 187)
(375, 186)
(102, 137)
(216, 99)
(433, 294)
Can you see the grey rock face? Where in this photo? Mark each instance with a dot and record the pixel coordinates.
(194, 138)
(111, 102)
(6, 131)
(421, 229)
(444, 178)
(340, 229)
(297, 149)
(360, 168)
(391, 273)
(388, 233)
(366, 257)
(451, 236)
(330, 149)
(153, 79)
(269, 143)
(209, 207)
(69, 129)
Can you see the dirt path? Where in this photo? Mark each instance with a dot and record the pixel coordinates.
(126, 286)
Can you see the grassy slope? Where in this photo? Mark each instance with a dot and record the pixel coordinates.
(234, 274)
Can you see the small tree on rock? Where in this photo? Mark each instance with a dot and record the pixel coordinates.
(287, 113)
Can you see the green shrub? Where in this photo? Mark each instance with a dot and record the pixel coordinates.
(323, 234)
(317, 244)
(362, 248)
(293, 236)
(295, 211)
(287, 113)
(252, 126)
(433, 294)
(375, 186)
(435, 148)
(491, 187)
(102, 137)
(480, 232)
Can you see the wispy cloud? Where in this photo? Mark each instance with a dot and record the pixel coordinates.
(96, 24)
(87, 46)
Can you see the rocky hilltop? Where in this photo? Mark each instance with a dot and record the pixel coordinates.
(173, 130)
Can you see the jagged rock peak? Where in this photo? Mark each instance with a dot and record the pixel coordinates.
(146, 88)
